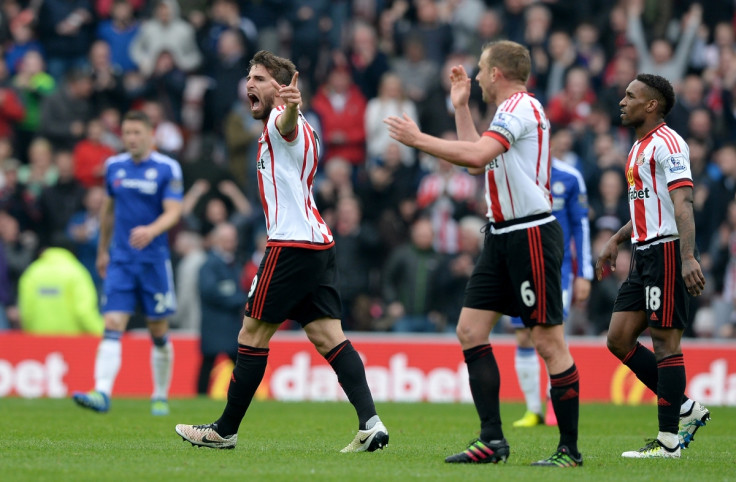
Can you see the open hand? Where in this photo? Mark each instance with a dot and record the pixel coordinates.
(459, 86)
(403, 129)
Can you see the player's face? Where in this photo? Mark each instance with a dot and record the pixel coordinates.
(137, 138)
(634, 104)
(260, 92)
(484, 77)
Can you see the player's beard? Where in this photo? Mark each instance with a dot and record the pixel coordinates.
(627, 121)
(138, 151)
(265, 111)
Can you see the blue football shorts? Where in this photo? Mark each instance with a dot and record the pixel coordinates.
(148, 284)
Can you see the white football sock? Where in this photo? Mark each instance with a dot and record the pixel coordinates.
(107, 364)
(686, 406)
(527, 371)
(669, 440)
(372, 422)
(162, 365)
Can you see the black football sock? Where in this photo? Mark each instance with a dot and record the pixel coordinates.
(250, 367)
(670, 390)
(351, 375)
(485, 383)
(565, 395)
(643, 363)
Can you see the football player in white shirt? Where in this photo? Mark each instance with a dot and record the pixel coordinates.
(297, 276)
(665, 270)
(518, 272)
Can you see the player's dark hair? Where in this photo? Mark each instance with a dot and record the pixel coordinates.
(281, 69)
(138, 115)
(661, 89)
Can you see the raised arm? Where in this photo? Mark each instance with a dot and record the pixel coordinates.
(460, 96)
(287, 121)
(681, 57)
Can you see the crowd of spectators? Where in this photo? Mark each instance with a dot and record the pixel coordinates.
(407, 226)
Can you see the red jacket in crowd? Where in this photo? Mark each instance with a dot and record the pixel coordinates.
(343, 130)
(11, 111)
(89, 162)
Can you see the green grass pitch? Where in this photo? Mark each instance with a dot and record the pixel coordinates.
(54, 440)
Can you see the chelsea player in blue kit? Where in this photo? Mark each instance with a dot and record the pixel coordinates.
(144, 194)
(570, 207)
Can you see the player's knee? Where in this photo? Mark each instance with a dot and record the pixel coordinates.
(317, 338)
(548, 349)
(666, 342)
(256, 333)
(617, 345)
(114, 323)
(158, 328)
(324, 341)
(470, 335)
(463, 333)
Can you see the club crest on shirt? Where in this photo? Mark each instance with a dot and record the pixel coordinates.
(119, 175)
(151, 173)
(640, 159)
(676, 163)
(558, 188)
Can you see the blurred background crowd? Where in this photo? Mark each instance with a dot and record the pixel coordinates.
(407, 226)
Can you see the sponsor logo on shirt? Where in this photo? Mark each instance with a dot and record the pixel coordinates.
(638, 194)
(630, 177)
(142, 185)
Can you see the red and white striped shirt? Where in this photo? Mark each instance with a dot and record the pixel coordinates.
(517, 181)
(286, 169)
(658, 163)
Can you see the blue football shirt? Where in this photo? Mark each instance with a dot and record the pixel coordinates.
(139, 190)
(570, 207)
